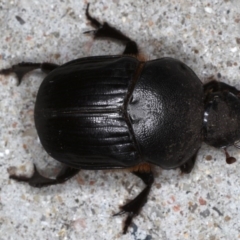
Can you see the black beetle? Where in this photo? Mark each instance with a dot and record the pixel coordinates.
(116, 112)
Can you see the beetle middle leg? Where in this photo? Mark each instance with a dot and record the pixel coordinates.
(23, 68)
(133, 207)
(187, 167)
(106, 31)
(37, 180)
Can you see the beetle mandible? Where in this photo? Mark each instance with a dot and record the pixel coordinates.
(123, 112)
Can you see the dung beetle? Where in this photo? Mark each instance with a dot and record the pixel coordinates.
(123, 112)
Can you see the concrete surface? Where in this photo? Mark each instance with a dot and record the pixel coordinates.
(203, 205)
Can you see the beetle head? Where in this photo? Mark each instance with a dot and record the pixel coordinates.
(222, 116)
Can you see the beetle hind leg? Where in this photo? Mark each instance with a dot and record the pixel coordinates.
(106, 31)
(23, 68)
(133, 207)
(37, 180)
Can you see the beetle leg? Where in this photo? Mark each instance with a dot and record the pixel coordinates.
(133, 207)
(106, 31)
(187, 167)
(25, 67)
(37, 180)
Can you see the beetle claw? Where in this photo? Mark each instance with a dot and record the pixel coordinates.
(91, 32)
(119, 213)
(128, 220)
(19, 178)
(8, 71)
(36, 180)
(131, 209)
(20, 70)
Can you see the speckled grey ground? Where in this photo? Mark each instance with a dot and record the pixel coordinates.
(203, 205)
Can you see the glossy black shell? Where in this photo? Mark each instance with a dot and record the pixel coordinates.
(116, 112)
